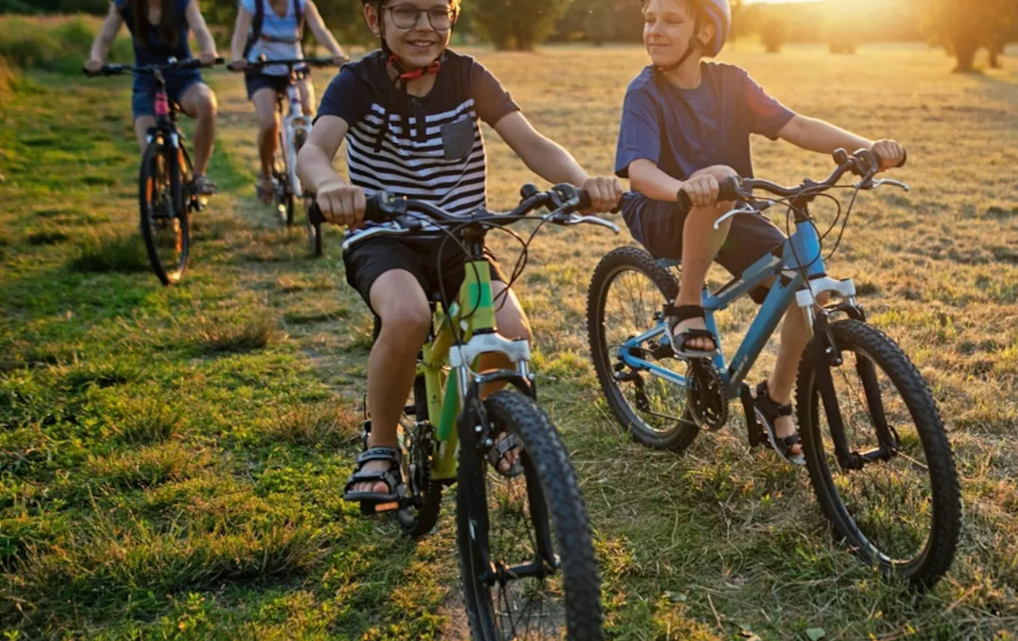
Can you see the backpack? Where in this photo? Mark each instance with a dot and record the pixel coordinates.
(259, 19)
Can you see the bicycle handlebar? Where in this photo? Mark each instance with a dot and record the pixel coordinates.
(112, 70)
(564, 200)
(288, 62)
(864, 163)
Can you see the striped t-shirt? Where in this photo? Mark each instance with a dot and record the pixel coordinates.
(426, 148)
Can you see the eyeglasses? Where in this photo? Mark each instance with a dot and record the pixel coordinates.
(406, 16)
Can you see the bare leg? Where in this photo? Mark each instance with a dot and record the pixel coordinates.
(307, 96)
(141, 127)
(200, 103)
(399, 301)
(795, 334)
(700, 245)
(268, 133)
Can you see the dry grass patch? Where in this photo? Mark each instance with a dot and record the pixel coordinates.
(147, 466)
(231, 334)
(318, 424)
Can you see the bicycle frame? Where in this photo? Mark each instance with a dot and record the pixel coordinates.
(447, 386)
(293, 122)
(801, 248)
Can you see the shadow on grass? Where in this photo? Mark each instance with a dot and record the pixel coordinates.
(106, 252)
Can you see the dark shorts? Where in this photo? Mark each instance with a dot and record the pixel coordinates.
(419, 256)
(257, 81)
(144, 97)
(657, 225)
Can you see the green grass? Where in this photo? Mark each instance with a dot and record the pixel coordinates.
(171, 460)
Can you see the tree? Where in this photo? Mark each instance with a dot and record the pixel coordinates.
(598, 24)
(774, 34)
(518, 24)
(964, 26)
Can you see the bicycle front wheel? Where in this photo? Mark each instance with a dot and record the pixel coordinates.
(313, 229)
(900, 510)
(164, 216)
(526, 558)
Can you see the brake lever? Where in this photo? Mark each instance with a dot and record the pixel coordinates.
(745, 210)
(594, 220)
(870, 183)
(572, 219)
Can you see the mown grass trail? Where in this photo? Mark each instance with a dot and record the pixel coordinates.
(171, 459)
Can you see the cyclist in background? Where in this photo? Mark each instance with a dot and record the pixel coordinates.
(159, 31)
(273, 28)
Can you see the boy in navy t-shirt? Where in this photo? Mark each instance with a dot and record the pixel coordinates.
(685, 126)
(410, 114)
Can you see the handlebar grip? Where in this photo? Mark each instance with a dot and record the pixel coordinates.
(880, 160)
(685, 204)
(728, 189)
(375, 210)
(315, 214)
(584, 200)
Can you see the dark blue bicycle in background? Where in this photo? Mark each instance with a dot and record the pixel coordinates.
(877, 453)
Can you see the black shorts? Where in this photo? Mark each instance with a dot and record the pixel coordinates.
(657, 225)
(256, 81)
(419, 256)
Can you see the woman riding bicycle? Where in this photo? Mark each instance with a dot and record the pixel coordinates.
(159, 30)
(377, 105)
(686, 126)
(273, 28)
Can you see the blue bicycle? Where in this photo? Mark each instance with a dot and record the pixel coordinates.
(875, 447)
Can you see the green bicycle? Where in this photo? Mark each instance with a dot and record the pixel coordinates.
(526, 560)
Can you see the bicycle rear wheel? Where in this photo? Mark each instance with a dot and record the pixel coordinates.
(284, 191)
(526, 559)
(164, 215)
(628, 289)
(900, 511)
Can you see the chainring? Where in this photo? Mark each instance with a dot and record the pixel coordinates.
(705, 395)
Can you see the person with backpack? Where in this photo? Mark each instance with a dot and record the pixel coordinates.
(273, 28)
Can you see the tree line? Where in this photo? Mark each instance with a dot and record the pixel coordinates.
(962, 27)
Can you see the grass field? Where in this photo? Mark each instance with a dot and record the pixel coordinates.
(171, 460)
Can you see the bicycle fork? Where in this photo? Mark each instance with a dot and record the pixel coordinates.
(476, 434)
(826, 356)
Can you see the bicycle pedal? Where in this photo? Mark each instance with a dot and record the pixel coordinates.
(754, 431)
(385, 507)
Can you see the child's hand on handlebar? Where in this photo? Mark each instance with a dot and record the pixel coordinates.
(890, 152)
(605, 192)
(238, 65)
(208, 58)
(93, 65)
(342, 204)
(702, 190)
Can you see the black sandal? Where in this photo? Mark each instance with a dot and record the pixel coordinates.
(498, 451)
(392, 477)
(680, 342)
(767, 411)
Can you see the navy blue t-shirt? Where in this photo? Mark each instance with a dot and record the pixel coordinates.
(685, 130)
(157, 51)
(443, 161)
